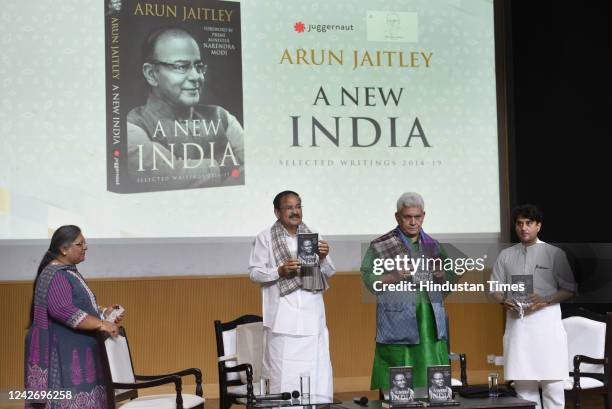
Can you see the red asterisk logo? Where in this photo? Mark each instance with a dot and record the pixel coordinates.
(116, 153)
(235, 173)
(299, 27)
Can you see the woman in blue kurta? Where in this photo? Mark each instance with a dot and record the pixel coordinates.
(61, 351)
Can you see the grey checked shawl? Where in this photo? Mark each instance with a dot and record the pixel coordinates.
(309, 279)
(391, 244)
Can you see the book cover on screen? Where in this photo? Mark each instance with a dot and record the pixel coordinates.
(308, 249)
(174, 102)
(439, 389)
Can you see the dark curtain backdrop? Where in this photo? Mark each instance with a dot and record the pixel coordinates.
(560, 133)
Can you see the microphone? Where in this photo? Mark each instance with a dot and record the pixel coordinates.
(361, 401)
(279, 396)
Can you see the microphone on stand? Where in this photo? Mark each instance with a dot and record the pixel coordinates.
(361, 401)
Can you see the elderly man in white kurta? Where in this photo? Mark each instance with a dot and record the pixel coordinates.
(296, 340)
(535, 345)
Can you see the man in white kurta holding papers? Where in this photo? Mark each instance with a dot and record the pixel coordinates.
(535, 344)
(296, 340)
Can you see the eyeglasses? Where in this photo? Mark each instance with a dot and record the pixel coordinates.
(183, 67)
(291, 208)
(81, 244)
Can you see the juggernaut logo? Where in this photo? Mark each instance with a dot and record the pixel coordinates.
(301, 27)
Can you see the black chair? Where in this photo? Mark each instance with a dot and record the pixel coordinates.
(463, 370)
(454, 357)
(231, 387)
(123, 383)
(589, 338)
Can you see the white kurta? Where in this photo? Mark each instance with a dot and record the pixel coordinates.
(296, 339)
(535, 347)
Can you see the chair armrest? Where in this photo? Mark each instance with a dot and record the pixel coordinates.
(578, 359)
(239, 368)
(249, 374)
(149, 384)
(157, 382)
(196, 372)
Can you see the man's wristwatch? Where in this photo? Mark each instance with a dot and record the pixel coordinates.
(548, 299)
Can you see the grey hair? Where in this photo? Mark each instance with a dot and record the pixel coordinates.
(410, 199)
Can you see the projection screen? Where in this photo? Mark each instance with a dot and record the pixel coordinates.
(348, 103)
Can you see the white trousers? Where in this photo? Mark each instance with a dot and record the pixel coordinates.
(286, 357)
(553, 395)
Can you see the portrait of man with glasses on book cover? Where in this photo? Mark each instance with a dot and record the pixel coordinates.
(181, 88)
